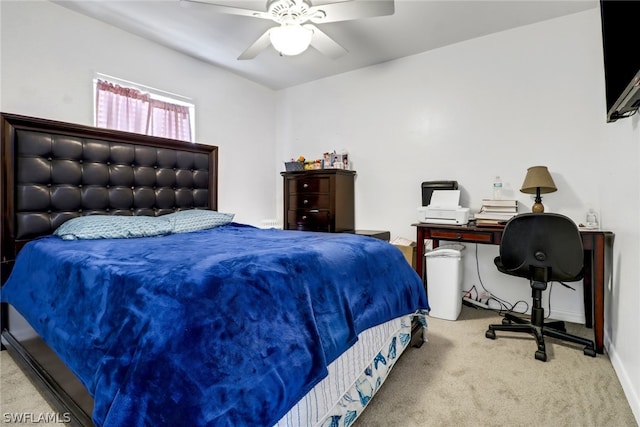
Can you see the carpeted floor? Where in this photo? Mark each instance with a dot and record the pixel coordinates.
(20, 403)
(458, 378)
(461, 378)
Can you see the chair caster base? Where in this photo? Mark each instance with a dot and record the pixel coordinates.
(588, 351)
(541, 355)
(491, 334)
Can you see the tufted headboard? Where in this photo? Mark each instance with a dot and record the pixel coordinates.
(54, 171)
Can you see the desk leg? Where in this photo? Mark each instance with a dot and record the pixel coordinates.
(421, 262)
(588, 289)
(599, 264)
(420, 253)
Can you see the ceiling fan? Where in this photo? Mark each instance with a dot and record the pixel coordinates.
(295, 33)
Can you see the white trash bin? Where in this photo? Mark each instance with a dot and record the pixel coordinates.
(444, 281)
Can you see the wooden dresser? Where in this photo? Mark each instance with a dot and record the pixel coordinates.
(319, 200)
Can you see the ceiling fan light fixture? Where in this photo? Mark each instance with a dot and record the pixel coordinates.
(290, 39)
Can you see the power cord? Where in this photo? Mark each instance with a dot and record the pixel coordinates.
(551, 289)
(503, 305)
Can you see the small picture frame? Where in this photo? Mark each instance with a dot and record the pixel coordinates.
(326, 161)
(340, 161)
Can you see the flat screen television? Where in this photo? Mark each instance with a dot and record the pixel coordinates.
(620, 36)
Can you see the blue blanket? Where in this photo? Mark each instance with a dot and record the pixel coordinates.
(229, 326)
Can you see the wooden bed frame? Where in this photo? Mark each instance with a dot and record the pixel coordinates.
(53, 171)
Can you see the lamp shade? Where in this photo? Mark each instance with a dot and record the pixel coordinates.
(290, 39)
(538, 179)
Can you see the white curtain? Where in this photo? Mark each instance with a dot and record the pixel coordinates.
(170, 120)
(131, 110)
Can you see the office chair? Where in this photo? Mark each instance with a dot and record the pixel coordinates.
(541, 247)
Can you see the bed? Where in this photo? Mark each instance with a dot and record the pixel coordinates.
(214, 324)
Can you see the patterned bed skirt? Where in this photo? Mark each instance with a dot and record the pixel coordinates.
(353, 378)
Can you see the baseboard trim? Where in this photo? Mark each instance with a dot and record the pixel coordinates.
(567, 316)
(632, 395)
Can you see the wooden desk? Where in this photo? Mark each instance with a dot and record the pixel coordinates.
(598, 250)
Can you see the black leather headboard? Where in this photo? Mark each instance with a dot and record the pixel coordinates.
(53, 171)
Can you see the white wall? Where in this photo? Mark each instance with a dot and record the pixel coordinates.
(620, 204)
(50, 56)
(490, 106)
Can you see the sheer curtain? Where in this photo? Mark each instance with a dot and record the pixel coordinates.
(170, 120)
(131, 110)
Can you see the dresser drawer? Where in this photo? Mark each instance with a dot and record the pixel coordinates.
(309, 201)
(319, 200)
(310, 185)
(461, 236)
(309, 220)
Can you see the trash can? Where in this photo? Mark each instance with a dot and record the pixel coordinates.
(444, 281)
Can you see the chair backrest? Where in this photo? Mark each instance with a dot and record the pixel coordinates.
(542, 247)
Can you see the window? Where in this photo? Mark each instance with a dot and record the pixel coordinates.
(134, 108)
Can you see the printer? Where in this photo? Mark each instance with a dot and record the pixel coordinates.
(444, 209)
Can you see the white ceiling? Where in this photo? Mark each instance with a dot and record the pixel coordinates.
(416, 26)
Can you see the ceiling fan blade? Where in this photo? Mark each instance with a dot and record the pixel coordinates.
(228, 10)
(325, 44)
(258, 46)
(354, 9)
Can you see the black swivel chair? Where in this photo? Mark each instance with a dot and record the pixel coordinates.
(541, 247)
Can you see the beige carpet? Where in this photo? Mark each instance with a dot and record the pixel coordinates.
(20, 402)
(458, 378)
(461, 378)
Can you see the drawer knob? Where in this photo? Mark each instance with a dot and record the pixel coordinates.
(458, 236)
(304, 217)
(305, 201)
(305, 185)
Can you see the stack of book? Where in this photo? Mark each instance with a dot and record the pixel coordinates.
(496, 212)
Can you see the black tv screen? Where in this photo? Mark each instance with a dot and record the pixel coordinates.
(620, 35)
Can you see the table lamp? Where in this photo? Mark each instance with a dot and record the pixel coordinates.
(538, 181)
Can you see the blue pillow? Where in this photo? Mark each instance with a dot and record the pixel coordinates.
(112, 227)
(196, 220)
